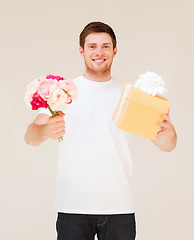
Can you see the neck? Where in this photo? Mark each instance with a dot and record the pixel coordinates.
(97, 77)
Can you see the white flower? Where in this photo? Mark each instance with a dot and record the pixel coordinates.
(151, 83)
(58, 100)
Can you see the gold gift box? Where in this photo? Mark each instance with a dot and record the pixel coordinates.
(139, 112)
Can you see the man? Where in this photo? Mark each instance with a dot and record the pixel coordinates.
(94, 192)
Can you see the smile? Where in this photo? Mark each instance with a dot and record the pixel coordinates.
(99, 60)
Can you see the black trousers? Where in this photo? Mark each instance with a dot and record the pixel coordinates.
(86, 226)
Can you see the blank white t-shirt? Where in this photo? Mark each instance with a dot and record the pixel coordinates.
(94, 162)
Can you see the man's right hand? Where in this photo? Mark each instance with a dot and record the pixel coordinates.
(55, 127)
(44, 127)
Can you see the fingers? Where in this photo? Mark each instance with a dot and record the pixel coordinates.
(166, 126)
(166, 118)
(163, 124)
(160, 133)
(61, 113)
(57, 133)
(56, 126)
(57, 118)
(59, 129)
(60, 134)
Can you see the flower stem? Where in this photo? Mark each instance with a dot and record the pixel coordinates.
(55, 113)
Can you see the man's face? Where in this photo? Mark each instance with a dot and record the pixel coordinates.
(98, 52)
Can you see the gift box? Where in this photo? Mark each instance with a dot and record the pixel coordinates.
(139, 112)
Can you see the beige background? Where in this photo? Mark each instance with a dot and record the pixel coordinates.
(41, 37)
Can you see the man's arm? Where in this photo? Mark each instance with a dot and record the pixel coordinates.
(166, 138)
(44, 127)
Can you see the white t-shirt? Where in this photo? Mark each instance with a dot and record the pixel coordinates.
(94, 161)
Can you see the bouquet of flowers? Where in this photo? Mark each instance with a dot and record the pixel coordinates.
(52, 92)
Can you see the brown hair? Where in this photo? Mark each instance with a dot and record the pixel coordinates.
(96, 27)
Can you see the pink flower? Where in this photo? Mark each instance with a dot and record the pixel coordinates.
(47, 87)
(69, 87)
(37, 102)
(58, 78)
